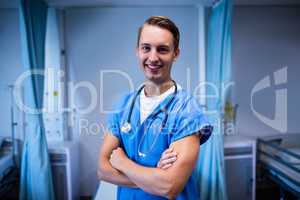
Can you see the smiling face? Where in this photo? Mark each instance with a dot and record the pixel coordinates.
(156, 53)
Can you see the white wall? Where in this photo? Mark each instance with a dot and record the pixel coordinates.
(265, 39)
(10, 66)
(104, 39)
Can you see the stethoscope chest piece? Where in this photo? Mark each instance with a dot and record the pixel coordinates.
(126, 128)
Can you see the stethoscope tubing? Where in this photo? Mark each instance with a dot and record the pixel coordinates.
(164, 109)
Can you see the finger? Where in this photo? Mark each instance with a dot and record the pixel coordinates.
(166, 166)
(158, 164)
(169, 150)
(168, 155)
(168, 161)
(162, 163)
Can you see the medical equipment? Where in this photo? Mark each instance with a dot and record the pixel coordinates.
(10, 153)
(155, 131)
(279, 162)
(64, 166)
(126, 127)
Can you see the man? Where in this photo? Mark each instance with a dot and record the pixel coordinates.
(154, 137)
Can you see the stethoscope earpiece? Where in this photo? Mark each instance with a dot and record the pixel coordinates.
(141, 154)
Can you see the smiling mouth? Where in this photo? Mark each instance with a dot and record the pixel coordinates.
(153, 67)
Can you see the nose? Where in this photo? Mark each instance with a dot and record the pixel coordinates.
(153, 57)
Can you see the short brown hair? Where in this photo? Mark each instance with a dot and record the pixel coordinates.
(165, 23)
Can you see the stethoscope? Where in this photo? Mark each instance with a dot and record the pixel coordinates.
(126, 127)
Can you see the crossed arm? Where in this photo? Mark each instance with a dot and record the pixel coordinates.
(117, 168)
(105, 170)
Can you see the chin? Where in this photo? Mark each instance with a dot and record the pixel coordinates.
(155, 79)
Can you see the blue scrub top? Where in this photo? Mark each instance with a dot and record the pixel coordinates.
(185, 118)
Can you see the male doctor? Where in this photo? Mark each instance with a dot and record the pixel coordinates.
(154, 136)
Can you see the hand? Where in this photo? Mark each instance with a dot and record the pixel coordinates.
(167, 159)
(117, 158)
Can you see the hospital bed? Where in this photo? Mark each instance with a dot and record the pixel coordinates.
(5, 163)
(6, 168)
(279, 158)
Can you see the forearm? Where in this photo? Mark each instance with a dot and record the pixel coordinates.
(109, 174)
(151, 180)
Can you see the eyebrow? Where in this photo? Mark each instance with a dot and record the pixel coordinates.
(163, 45)
(145, 44)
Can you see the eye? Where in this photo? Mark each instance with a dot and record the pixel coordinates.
(163, 49)
(145, 48)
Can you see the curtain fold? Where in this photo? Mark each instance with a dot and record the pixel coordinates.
(36, 178)
(218, 73)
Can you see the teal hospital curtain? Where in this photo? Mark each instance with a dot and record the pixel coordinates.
(218, 72)
(36, 178)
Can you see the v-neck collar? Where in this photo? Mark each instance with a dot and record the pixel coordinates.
(137, 113)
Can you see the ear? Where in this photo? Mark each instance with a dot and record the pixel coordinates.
(137, 51)
(176, 54)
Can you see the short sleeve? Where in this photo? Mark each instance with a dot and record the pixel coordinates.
(114, 117)
(113, 125)
(191, 120)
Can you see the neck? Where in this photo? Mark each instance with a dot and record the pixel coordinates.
(154, 89)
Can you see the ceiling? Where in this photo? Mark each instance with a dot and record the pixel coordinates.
(88, 3)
